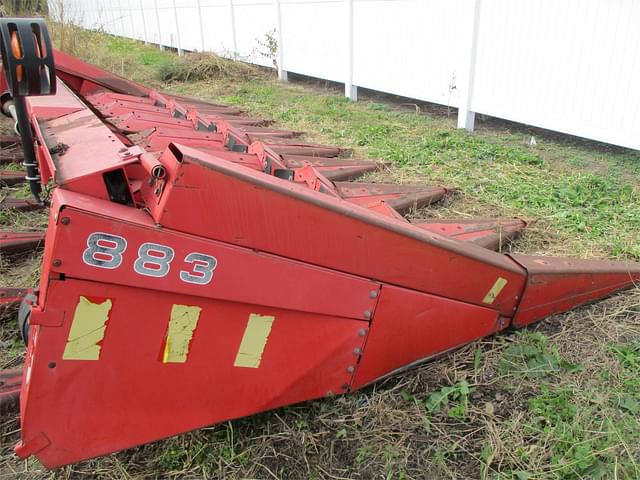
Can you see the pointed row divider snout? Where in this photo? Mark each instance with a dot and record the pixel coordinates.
(11, 177)
(487, 233)
(19, 242)
(20, 204)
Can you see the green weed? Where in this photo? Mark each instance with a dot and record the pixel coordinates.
(532, 357)
(578, 439)
(454, 398)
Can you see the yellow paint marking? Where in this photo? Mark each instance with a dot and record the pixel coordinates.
(182, 323)
(493, 293)
(253, 341)
(87, 330)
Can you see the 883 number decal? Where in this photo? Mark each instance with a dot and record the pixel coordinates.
(105, 250)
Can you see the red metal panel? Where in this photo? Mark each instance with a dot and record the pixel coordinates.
(46, 275)
(120, 107)
(330, 166)
(555, 285)
(91, 146)
(254, 210)
(76, 409)
(410, 326)
(161, 137)
(105, 98)
(136, 122)
(53, 106)
(244, 159)
(241, 274)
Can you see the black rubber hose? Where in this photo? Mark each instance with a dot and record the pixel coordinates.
(30, 162)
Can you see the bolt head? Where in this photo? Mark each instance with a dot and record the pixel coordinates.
(357, 350)
(362, 332)
(351, 369)
(367, 314)
(57, 262)
(373, 294)
(65, 220)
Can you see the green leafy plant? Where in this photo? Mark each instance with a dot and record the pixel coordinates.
(531, 357)
(454, 397)
(574, 450)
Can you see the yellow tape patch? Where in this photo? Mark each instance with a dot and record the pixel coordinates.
(253, 341)
(87, 330)
(182, 323)
(493, 293)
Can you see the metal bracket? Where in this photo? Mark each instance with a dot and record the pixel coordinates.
(48, 319)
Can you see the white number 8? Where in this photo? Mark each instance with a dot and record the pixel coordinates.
(153, 260)
(104, 250)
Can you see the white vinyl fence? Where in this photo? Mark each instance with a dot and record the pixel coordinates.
(572, 66)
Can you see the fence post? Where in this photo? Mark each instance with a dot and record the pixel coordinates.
(234, 40)
(121, 18)
(155, 4)
(133, 27)
(144, 24)
(201, 29)
(282, 73)
(350, 90)
(175, 16)
(466, 118)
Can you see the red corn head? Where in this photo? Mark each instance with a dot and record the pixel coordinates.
(213, 268)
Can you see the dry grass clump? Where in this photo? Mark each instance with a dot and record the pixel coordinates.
(194, 67)
(147, 63)
(71, 39)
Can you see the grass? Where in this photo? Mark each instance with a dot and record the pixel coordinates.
(559, 400)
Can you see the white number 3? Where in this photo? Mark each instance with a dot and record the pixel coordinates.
(202, 269)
